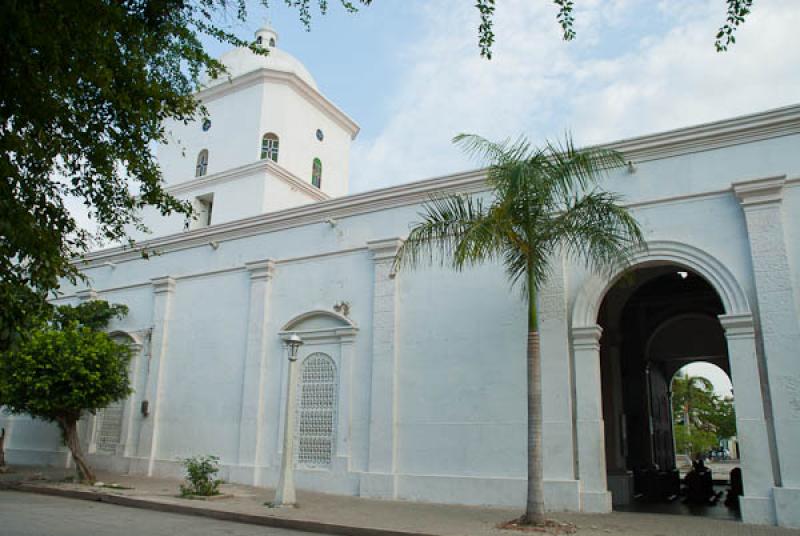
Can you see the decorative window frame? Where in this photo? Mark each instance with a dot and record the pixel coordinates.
(337, 341)
(125, 446)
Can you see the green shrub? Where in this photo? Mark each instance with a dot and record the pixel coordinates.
(201, 478)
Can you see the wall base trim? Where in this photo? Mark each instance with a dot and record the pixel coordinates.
(787, 507)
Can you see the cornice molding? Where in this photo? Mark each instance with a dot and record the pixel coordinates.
(772, 123)
(714, 135)
(301, 86)
(340, 207)
(266, 166)
(385, 249)
(738, 326)
(261, 270)
(162, 285)
(587, 338)
(758, 192)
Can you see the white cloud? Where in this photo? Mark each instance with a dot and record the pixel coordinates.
(635, 68)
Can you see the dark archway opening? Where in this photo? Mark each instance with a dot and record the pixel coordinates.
(655, 320)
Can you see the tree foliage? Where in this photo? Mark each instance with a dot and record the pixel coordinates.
(65, 368)
(544, 201)
(737, 12)
(701, 418)
(86, 87)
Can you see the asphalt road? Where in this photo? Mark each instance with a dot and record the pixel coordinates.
(26, 514)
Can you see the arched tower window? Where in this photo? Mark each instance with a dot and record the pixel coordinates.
(316, 411)
(202, 164)
(269, 147)
(316, 173)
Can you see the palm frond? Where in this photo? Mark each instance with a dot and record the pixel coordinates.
(456, 229)
(572, 170)
(492, 153)
(598, 231)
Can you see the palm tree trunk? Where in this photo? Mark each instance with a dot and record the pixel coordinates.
(69, 430)
(534, 507)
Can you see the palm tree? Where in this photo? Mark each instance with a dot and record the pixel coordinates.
(545, 202)
(693, 398)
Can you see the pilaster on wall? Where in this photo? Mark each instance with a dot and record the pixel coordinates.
(163, 292)
(557, 405)
(255, 366)
(380, 481)
(87, 424)
(761, 201)
(590, 428)
(757, 505)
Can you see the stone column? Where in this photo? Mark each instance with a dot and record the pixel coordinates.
(561, 487)
(254, 376)
(595, 496)
(761, 201)
(751, 428)
(163, 292)
(380, 479)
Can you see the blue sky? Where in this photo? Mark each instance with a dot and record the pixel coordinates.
(409, 72)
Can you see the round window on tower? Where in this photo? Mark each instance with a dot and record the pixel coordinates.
(320, 135)
(206, 124)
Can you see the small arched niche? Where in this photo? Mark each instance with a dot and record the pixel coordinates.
(325, 360)
(112, 424)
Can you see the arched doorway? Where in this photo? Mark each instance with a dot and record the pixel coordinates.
(588, 340)
(655, 320)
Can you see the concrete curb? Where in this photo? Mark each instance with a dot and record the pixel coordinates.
(250, 519)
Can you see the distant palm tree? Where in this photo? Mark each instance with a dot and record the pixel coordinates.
(544, 201)
(695, 404)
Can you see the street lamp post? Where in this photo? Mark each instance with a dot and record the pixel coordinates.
(284, 495)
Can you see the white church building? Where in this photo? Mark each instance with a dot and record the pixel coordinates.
(412, 384)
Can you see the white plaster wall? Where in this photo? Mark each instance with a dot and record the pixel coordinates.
(462, 337)
(203, 368)
(791, 216)
(231, 141)
(460, 378)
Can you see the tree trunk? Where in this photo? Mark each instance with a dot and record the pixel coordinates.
(534, 507)
(2, 448)
(69, 429)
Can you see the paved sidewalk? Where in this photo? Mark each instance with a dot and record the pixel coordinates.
(354, 515)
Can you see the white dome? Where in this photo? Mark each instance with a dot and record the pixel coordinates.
(242, 60)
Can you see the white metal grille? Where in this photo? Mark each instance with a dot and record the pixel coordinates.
(316, 410)
(109, 428)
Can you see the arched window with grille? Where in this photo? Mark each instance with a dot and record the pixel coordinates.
(109, 427)
(109, 421)
(202, 164)
(316, 411)
(316, 173)
(269, 147)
